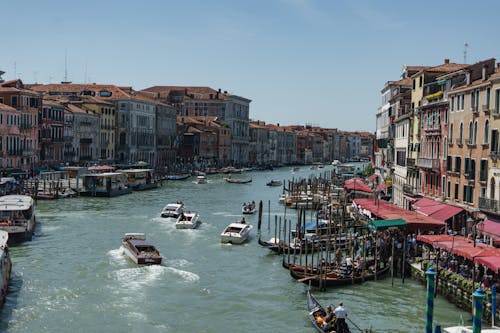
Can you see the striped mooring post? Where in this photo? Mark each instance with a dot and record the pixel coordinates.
(493, 305)
(477, 310)
(431, 282)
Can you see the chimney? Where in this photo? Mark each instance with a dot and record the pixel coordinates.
(446, 61)
(484, 73)
(467, 78)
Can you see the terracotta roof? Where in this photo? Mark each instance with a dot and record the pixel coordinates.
(404, 82)
(196, 92)
(446, 68)
(76, 109)
(6, 107)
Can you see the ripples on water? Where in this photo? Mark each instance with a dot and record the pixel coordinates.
(74, 276)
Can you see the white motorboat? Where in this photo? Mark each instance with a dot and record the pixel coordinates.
(188, 220)
(468, 329)
(173, 210)
(236, 233)
(248, 208)
(139, 250)
(17, 216)
(201, 179)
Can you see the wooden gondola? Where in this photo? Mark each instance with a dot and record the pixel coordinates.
(281, 247)
(315, 311)
(336, 278)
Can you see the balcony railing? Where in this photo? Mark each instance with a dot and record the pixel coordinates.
(428, 163)
(491, 205)
(471, 143)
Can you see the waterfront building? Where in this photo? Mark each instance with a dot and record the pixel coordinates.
(10, 138)
(489, 203)
(383, 157)
(286, 146)
(400, 103)
(107, 124)
(51, 127)
(80, 134)
(166, 128)
(258, 149)
(468, 155)
(304, 146)
(424, 175)
(205, 101)
(29, 105)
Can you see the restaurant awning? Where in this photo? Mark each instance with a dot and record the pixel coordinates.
(356, 184)
(429, 239)
(490, 228)
(492, 262)
(438, 210)
(385, 224)
(473, 252)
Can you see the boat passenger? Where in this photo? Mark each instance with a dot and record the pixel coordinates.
(243, 220)
(329, 318)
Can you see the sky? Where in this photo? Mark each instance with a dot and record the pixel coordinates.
(301, 62)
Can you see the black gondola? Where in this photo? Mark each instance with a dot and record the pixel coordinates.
(335, 279)
(238, 180)
(316, 313)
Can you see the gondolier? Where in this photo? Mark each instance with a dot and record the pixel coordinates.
(341, 314)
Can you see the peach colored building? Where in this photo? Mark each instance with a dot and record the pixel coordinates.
(10, 138)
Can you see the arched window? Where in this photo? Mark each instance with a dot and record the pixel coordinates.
(474, 136)
(445, 148)
(471, 133)
(486, 131)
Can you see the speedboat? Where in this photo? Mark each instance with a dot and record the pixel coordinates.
(248, 208)
(139, 250)
(173, 210)
(201, 179)
(236, 233)
(188, 220)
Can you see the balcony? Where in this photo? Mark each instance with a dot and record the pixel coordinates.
(490, 205)
(410, 190)
(471, 143)
(428, 163)
(485, 108)
(474, 110)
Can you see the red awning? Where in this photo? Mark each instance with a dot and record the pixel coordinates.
(492, 262)
(372, 177)
(490, 229)
(381, 187)
(454, 243)
(439, 211)
(410, 199)
(356, 184)
(473, 252)
(429, 239)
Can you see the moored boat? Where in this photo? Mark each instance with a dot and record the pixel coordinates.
(188, 220)
(178, 177)
(140, 179)
(17, 217)
(5, 264)
(274, 182)
(237, 180)
(139, 250)
(173, 210)
(107, 184)
(236, 233)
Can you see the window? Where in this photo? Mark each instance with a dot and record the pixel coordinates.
(453, 103)
(488, 93)
(497, 101)
(13, 101)
(420, 80)
(458, 162)
(451, 133)
(486, 131)
(461, 132)
(413, 84)
(494, 141)
(456, 192)
(474, 137)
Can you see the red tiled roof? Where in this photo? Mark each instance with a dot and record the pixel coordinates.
(6, 107)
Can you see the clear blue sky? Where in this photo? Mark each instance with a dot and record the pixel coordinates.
(321, 62)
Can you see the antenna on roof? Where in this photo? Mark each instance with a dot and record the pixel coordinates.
(65, 67)
(466, 45)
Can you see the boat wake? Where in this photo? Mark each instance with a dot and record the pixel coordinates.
(185, 275)
(117, 256)
(137, 278)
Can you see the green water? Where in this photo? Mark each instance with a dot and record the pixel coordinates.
(73, 276)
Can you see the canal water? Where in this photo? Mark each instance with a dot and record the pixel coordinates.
(74, 277)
